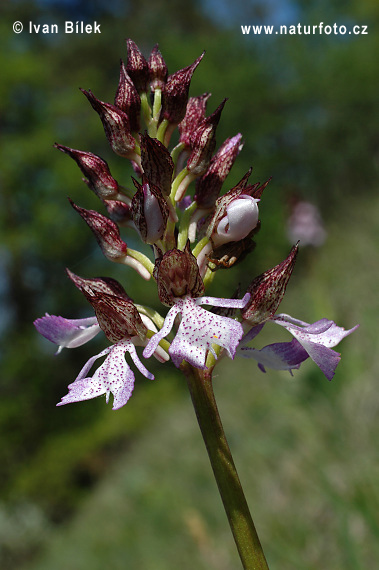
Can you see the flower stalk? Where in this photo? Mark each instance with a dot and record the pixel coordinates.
(230, 488)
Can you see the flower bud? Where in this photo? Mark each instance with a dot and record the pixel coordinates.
(128, 100)
(175, 93)
(137, 67)
(116, 126)
(224, 201)
(157, 163)
(267, 290)
(157, 69)
(240, 219)
(150, 211)
(203, 142)
(209, 185)
(195, 114)
(118, 211)
(106, 233)
(96, 171)
(177, 275)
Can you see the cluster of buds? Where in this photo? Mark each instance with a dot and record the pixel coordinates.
(175, 205)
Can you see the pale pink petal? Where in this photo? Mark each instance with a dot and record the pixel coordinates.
(198, 330)
(165, 330)
(67, 333)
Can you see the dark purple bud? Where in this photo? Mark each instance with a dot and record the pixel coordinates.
(195, 113)
(119, 212)
(157, 163)
(96, 171)
(128, 100)
(203, 142)
(267, 290)
(150, 211)
(175, 93)
(137, 67)
(106, 233)
(116, 126)
(209, 185)
(177, 275)
(157, 69)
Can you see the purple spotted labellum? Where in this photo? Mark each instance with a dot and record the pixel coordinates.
(199, 330)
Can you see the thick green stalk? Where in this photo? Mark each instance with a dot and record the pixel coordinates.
(241, 523)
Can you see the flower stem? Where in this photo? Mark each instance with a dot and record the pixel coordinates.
(241, 523)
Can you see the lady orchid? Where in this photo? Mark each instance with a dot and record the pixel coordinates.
(193, 231)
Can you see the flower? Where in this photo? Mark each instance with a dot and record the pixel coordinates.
(119, 319)
(199, 330)
(180, 287)
(311, 340)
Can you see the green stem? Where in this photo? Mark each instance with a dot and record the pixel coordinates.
(241, 523)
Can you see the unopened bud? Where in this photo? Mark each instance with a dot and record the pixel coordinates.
(241, 218)
(150, 211)
(267, 290)
(195, 114)
(177, 275)
(224, 201)
(157, 163)
(175, 93)
(116, 126)
(128, 100)
(137, 67)
(157, 69)
(106, 233)
(203, 142)
(209, 185)
(118, 211)
(96, 171)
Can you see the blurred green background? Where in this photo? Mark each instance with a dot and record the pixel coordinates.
(83, 487)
